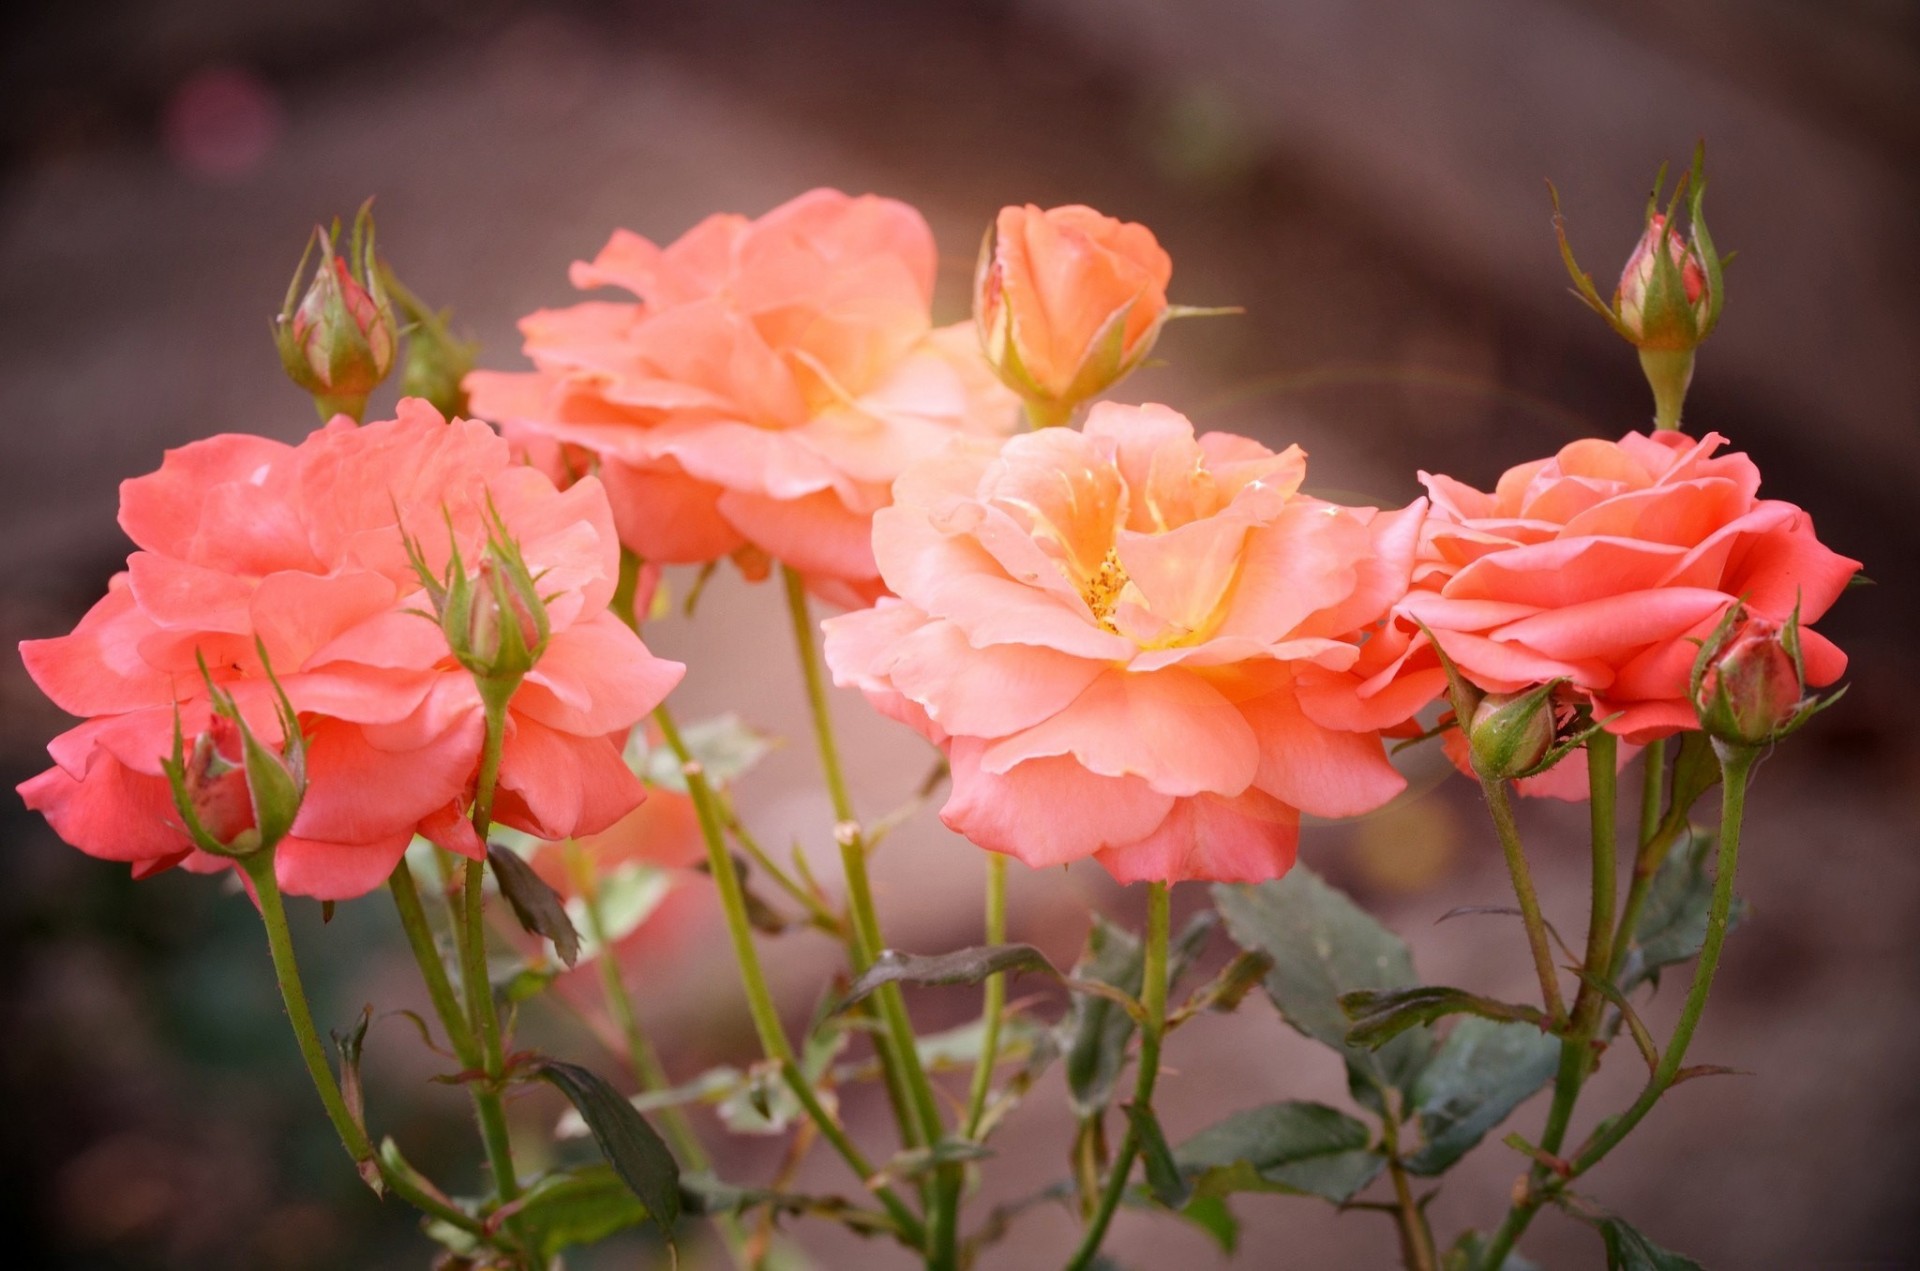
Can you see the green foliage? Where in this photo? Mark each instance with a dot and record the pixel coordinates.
(537, 906)
(630, 1145)
(1673, 925)
(1323, 946)
(1095, 1031)
(1628, 1250)
(1480, 1074)
(1306, 1148)
(1380, 1017)
(1467, 1251)
(964, 966)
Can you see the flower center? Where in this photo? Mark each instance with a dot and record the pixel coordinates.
(1102, 591)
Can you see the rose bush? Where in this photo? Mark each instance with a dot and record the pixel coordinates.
(300, 548)
(1107, 632)
(758, 400)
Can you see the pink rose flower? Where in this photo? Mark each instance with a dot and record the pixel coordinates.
(1605, 565)
(1108, 633)
(244, 538)
(758, 401)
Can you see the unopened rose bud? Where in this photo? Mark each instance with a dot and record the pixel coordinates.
(1669, 296)
(1751, 690)
(506, 624)
(336, 338)
(495, 620)
(1067, 302)
(216, 783)
(235, 795)
(1510, 734)
(1658, 312)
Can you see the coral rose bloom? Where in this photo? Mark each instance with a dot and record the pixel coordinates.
(1069, 300)
(1606, 565)
(774, 379)
(244, 538)
(1107, 633)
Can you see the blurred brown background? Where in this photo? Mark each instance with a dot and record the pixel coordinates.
(1366, 179)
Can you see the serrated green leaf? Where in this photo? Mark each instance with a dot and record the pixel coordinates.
(1628, 1250)
(1287, 1147)
(537, 906)
(630, 1145)
(1212, 1215)
(1673, 922)
(1378, 1017)
(579, 1206)
(1324, 945)
(1479, 1075)
(963, 966)
(1095, 1031)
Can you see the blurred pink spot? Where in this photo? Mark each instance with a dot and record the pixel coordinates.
(221, 122)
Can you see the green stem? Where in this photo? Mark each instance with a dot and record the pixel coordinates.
(766, 1019)
(1576, 1047)
(1652, 788)
(899, 1056)
(1153, 1000)
(1501, 808)
(1736, 766)
(1668, 372)
(273, 914)
(1416, 1238)
(433, 969)
(996, 995)
(473, 961)
(1045, 414)
(641, 1056)
(1654, 847)
(817, 913)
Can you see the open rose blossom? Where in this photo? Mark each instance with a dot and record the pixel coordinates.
(760, 398)
(1068, 300)
(1605, 565)
(244, 538)
(1108, 631)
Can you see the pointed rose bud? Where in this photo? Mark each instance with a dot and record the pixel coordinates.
(1662, 308)
(495, 620)
(1067, 302)
(336, 338)
(1669, 296)
(1749, 688)
(236, 795)
(1511, 734)
(436, 360)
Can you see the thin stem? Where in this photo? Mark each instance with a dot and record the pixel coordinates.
(1652, 787)
(641, 1056)
(1153, 999)
(766, 1019)
(1653, 851)
(1501, 807)
(433, 969)
(899, 1056)
(473, 964)
(818, 913)
(996, 995)
(1736, 766)
(286, 970)
(1416, 1239)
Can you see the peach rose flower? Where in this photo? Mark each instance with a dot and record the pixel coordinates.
(1068, 300)
(1604, 566)
(244, 538)
(759, 399)
(1107, 632)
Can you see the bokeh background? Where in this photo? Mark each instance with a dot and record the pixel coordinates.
(1365, 179)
